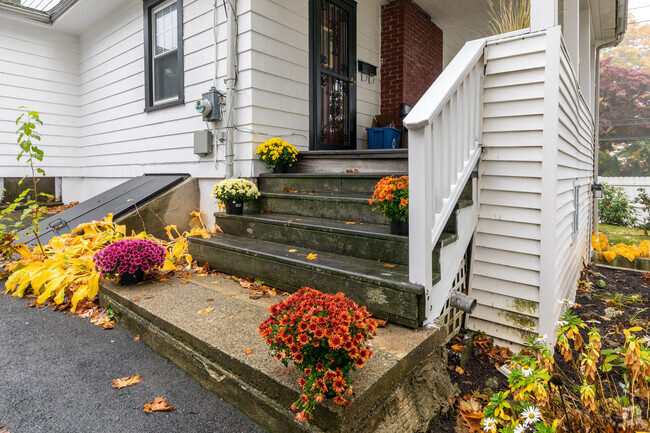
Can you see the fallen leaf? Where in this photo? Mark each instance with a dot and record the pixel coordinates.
(298, 219)
(459, 369)
(104, 322)
(293, 250)
(158, 405)
(209, 300)
(123, 382)
(288, 221)
(147, 297)
(32, 303)
(206, 310)
(312, 256)
(216, 282)
(350, 222)
(287, 189)
(248, 351)
(283, 371)
(380, 323)
(458, 348)
(137, 338)
(388, 265)
(245, 283)
(216, 229)
(356, 171)
(201, 275)
(163, 279)
(137, 298)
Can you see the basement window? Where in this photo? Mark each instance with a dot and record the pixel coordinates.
(163, 53)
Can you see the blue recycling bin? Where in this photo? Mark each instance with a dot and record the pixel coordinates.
(383, 138)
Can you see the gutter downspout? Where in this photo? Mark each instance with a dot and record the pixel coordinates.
(231, 83)
(621, 15)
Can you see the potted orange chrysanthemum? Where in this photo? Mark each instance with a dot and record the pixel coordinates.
(392, 199)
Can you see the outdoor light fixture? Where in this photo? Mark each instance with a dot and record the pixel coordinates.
(597, 190)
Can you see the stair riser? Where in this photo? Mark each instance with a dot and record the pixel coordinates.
(336, 209)
(305, 185)
(387, 251)
(338, 165)
(397, 306)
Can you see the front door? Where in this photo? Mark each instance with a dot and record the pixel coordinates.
(333, 96)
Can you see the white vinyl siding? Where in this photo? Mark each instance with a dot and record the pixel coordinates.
(39, 69)
(538, 137)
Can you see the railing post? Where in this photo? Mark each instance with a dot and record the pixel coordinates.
(421, 207)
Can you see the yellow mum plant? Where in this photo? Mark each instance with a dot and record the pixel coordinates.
(277, 151)
(600, 244)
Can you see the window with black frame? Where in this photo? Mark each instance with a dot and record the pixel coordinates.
(163, 45)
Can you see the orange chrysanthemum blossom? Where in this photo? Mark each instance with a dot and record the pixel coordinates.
(336, 325)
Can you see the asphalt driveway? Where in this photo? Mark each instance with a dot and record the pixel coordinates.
(56, 372)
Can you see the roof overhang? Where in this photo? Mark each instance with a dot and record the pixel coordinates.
(610, 20)
(37, 15)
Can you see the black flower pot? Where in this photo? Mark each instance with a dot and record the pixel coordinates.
(281, 167)
(399, 228)
(235, 207)
(132, 279)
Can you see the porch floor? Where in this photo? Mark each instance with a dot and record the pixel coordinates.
(213, 349)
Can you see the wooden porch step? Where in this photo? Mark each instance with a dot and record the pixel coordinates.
(361, 183)
(345, 161)
(385, 291)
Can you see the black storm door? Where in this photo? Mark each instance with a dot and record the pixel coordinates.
(332, 35)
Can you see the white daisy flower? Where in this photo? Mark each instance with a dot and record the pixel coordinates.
(542, 338)
(520, 428)
(531, 415)
(489, 424)
(568, 302)
(561, 323)
(624, 387)
(526, 371)
(593, 321)
(528, 328)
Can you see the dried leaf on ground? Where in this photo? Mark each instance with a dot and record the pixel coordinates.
(458, 348)
(136, 299)
(104, 322)
(471, 412)
(209, 300)
(312, 256)
(201, 275)
(216, 282)
(460, 370)
(284, 371)
(246, 283)
(248, 351)
(380, 323)
(388, 265)
(123, 382)
(287, 189)
(350, 222)
(158, 405)
(293, 250)
(206, 310)
(136, 338)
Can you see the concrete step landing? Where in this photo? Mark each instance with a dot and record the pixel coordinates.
(402, 389)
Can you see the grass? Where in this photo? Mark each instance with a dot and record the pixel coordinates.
(624, 235)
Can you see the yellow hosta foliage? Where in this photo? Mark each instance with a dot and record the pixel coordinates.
(600, 243)
(66, 266)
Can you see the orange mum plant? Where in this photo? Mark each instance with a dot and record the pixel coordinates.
(392, 197)
(326, 336)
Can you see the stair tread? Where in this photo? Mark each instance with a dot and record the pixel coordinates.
(393, 275)
(360, 228)
(320, 195)
(369, 175)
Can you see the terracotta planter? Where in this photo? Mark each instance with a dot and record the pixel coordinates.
(399, 228)
(132, 279)
(235, 207)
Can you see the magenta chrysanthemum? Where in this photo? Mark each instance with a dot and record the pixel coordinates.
(128, 256)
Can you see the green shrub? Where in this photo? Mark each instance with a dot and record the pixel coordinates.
(644, 200)
(615, 207)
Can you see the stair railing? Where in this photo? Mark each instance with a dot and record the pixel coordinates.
(445, 133)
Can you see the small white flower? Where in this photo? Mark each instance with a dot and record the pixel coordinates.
(624, 387)
(645, 339)
(520, 428)
(568, 302)
(526, 371)
(592, 321)
(528, 328)
(489, 424)
(542, 338)
(531, 415)
(561, 323)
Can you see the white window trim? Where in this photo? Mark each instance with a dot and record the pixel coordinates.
(155, 56)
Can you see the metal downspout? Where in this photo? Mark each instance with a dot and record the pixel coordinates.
(231, 82)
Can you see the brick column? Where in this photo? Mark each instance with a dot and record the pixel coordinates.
(411, 53)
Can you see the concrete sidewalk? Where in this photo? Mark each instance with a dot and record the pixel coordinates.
(56, 372)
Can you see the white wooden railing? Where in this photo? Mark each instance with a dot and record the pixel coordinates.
(445, 132)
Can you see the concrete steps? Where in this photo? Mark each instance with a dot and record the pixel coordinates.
(401, 389)
(345, 161)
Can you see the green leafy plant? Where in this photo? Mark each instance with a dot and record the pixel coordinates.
(28, 198)
(615, 207)
(509, 16)
(644, 200)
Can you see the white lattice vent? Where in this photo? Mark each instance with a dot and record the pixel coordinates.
(452, 319)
